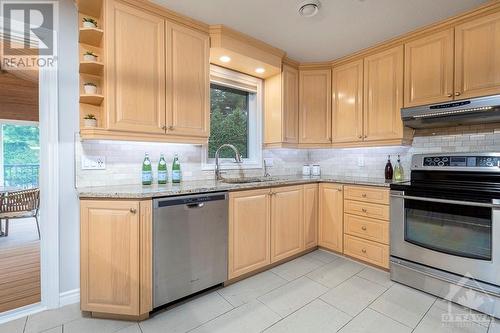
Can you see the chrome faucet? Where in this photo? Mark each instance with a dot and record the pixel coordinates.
(237, 157)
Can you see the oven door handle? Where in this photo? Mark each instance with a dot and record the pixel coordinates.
(454, 202)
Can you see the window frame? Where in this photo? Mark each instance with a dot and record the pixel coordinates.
(232, 79)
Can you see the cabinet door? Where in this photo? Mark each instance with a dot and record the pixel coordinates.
(287, 222)
(290, 85)
(311, 200)
(315, 104)
(383, 95)
(188, 82)
(477, 57)
(347, 107)
(249, 231)
(331, 217)
(135, 67)
(109, 264)
(429, 69)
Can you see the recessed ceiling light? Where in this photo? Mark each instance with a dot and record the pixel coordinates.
(309, 8)
(260, 70)
(225, 59)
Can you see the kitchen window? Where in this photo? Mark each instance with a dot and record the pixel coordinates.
(235, 118)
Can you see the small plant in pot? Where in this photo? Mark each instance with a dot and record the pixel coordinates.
(89, 22)
(90, 121)
(90, 88)
(89, 56)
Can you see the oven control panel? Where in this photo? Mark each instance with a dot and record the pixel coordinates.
(461, 161)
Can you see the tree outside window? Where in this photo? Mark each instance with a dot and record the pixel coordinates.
(229, 116)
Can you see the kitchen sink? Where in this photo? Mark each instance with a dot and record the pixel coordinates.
(247, 180)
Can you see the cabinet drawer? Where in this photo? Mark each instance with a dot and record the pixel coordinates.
(371, 252)
(371, 229)
(367, 209)
(367, 193)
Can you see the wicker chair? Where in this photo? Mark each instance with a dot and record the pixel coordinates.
(18, 205)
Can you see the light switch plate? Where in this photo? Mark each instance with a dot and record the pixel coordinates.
(93, 162)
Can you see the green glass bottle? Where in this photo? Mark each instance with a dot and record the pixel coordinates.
(176, 170)
(162, 170)
(147, 172)
(398, 171)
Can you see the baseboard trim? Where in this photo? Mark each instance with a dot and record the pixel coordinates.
(69, 297)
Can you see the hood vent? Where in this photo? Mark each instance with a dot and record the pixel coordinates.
(463, 112)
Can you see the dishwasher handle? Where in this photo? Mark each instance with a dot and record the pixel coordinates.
(190, 201)
(195, 205)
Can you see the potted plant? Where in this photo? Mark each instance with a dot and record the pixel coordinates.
(89, 22)
(89, 56)
(90, 88)
(90, 121)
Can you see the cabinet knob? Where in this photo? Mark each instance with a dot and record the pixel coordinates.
(457, 93)
(365, 136)
(363, 210)
(363, 227)
(363, 250)
(170, 128)
(360, 137)
(339, 189)
(450, 95)
(363, 195)
(164, 127)
(133, 210)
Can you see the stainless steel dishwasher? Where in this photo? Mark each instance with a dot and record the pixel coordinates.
(189, 245)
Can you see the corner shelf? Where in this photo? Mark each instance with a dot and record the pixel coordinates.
(93, 99)
(90, 7)
(91, 67)
(91, 36)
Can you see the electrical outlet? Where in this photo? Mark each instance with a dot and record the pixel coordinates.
(269, 162)
(93, 162)
(361, 161)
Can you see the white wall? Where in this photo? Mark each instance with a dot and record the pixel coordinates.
(69, 234)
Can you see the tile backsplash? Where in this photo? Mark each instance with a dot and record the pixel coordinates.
(123, 159)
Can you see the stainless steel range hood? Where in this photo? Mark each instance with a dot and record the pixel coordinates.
(478, 110)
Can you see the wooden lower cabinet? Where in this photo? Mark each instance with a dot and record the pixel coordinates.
(311, 205)
(116, 260)
(330, 216)
(249, 231)
(287, 222)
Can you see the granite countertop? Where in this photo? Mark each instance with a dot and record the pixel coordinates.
(203, 186)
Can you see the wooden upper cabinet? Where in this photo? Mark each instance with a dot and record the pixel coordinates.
(135, 69)
(315, 106)
(249, 231)
(383, 95)
(110, 264)
(429, 69)
(290, 82)
(331, 212)
(287, 222)
(188, 82)
(347, 105)
(311, 200)
(281, 109)
(477, 57)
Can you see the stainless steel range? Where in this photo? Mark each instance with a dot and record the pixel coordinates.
(445, 228)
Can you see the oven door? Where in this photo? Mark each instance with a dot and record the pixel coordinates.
(459, 236)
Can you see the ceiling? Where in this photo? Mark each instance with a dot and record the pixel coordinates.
(340, 28)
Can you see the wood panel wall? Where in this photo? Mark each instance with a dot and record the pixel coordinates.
(18, 98)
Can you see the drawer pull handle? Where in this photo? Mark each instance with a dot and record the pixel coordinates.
(364, 210)
(133, 210)
(363, 227)
(363, 250)
(363, 195)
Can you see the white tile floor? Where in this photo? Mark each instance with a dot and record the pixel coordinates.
(318, 292)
